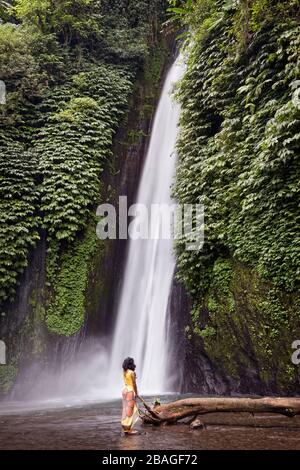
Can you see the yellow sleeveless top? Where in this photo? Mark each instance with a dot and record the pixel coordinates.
(128, 379)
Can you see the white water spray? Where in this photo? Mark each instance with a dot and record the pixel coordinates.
(140, 330)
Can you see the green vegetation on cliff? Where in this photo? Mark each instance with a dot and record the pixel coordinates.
(239, 156)
(69, 70)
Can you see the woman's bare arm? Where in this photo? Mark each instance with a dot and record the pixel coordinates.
(134, 384)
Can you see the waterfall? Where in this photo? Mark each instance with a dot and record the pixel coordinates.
(141, 325)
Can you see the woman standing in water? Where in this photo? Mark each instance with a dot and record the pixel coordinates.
(130, 411)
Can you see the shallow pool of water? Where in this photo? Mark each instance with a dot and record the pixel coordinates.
(97, 426)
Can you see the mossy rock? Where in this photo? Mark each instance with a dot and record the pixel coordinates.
(8, 374)
(66, 313)
(248, 324)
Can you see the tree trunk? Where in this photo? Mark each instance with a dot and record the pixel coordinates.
(175, 411)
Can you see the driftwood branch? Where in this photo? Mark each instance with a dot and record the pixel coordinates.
(152, 413)
(175, 411)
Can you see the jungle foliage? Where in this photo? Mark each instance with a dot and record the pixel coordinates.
(69, 69)
(239, 151)
(239, 144)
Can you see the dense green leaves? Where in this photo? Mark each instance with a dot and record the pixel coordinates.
(71, 20)
(74, 145)
(58, 176)
(19, 221)
(66, 312)
(130, 27)
(239, 152)
(69, 68)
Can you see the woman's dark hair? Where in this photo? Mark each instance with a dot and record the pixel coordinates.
(128, 363)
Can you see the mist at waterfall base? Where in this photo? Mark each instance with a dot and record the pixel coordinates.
(141, 329)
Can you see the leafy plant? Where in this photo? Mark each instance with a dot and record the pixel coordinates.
(69, 69)
(72, 21)
(238, 152)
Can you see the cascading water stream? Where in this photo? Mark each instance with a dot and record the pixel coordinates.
(140, 330)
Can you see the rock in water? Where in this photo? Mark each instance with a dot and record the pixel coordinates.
(197, 424)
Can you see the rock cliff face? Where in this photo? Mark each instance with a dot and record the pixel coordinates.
(22, 327)
(237, 344)
(190, 368)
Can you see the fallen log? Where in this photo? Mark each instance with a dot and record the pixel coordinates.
(173, 412)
